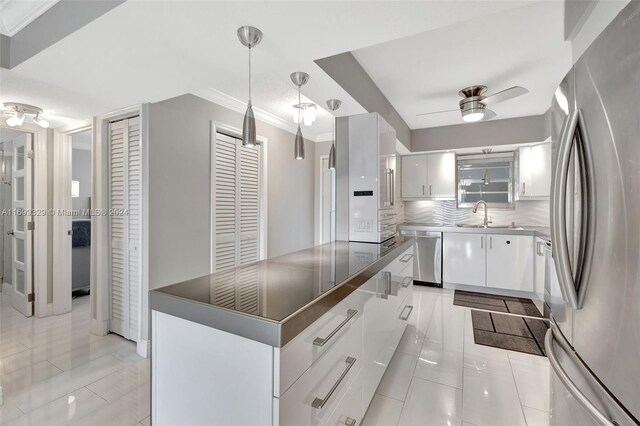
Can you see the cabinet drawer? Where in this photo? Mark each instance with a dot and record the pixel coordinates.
(349, 410)
(315, 395)
(300, 353)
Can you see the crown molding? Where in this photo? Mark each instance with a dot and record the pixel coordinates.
(17, 14)
(224, 100)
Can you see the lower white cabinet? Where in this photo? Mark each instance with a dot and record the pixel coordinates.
(201, 375)
(488, 260)
(463, 258)
(510, 262)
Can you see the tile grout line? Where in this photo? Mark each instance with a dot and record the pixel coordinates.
(515, 383)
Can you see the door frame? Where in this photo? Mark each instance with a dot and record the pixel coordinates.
(100, 270)
(62, 251)
(217, 127)
(42, 306)
(321, 215)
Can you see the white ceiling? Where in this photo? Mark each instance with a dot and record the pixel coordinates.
(522, 46)
(151, 51)
(17, 14)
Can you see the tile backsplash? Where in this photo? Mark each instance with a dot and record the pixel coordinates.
(526, 213)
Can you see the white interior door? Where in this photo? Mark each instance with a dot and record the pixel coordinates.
(326, 202)
(125, 198)
(21, 261)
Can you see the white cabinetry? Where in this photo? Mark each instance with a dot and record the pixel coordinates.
(463, 258)
(488, 260)
(414, 176)
(326, 375)
(429, 176)
(441, 175)
(510, 262)
(535, 171)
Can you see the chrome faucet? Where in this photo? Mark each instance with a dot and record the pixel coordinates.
(486, 218)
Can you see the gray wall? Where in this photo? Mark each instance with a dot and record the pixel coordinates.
(348, 73)
(81, 171)
(496, 132)
(179, 190)
(576, 13)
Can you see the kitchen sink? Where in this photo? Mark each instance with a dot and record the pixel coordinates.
(469, 225)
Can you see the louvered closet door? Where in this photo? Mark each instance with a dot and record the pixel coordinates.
(125, 199)
(236, 220)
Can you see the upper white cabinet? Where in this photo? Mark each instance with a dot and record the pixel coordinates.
(535, 171)
(414, 176)
(441, 175)
(429, 176)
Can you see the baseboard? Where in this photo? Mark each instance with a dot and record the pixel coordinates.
(7, 288)
(491, 290)
(142, 348)
(99, 328)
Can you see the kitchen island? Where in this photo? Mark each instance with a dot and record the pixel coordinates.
(298, 339)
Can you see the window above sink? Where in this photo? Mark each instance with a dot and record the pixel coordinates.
(488, 177)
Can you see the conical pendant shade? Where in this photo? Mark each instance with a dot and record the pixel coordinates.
(249, 128)
(332, 157)
(298, 146)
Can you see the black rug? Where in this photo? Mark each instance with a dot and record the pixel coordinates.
(509, 332)
(492, 302)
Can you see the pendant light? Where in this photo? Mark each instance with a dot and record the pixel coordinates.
(249, 37)
(333, 105)
(299, 78)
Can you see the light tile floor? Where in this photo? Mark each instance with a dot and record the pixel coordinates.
(439, 376)
(54, 372)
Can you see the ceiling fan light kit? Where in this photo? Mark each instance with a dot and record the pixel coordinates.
(18, 112)
(473, 105)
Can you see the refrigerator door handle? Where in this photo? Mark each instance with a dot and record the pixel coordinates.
(569, 385)
(573, 285)
(558, 212)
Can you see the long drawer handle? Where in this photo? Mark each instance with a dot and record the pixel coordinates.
(407, 259)
(320, 403)
(350, 421)
(408, 281)
(319, 341)
(569, 385)
(408, 315)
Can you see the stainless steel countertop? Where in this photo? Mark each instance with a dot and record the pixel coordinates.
(273, 300)
(504, 230)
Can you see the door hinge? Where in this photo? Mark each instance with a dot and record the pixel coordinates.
(31, 226)
(30, 297)
(30, 154)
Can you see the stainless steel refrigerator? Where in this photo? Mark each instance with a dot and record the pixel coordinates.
(593, 344)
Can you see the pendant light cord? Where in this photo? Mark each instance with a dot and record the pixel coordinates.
(299, 106)
(249, 75)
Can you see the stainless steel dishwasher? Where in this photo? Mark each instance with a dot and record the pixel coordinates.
(427, 267)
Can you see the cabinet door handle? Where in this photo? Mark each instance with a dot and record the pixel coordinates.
(524, 188)
(350, 421)
(408, 314)
(407, 259)
(422, 189)
(481, 242)
(319, 341)
(429, 189)
(320, 403)
(407, 280)
(490, 242)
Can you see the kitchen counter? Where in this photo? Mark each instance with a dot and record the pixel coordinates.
(506, 230)
(273, 300)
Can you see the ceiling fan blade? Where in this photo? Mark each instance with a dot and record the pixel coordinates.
(505, 95)
(488, 114)
(438, 112)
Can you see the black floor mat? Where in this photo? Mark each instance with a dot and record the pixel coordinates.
(492, 302)
(509, 332)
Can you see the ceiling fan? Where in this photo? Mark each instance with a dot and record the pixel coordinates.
(474, 103)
